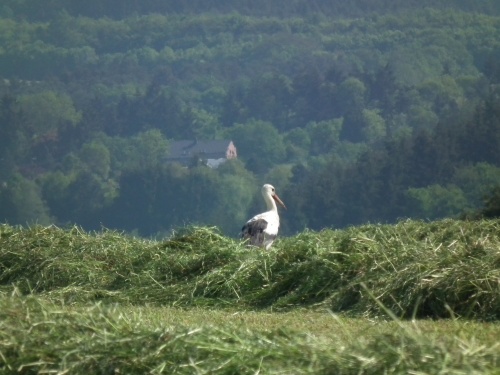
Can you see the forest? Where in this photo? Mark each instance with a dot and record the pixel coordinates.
(357, 112)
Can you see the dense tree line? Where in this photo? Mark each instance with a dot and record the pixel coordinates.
(356, 112)
(123, 8)
(429, 175)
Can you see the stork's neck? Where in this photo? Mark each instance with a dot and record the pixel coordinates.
(270, 203)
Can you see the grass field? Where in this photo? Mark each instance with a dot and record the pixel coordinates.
(410, 298)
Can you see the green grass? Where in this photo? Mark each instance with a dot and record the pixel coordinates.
(414, 297)
(415, 269)
(39, 337)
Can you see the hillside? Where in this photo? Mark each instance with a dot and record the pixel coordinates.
(356, 111)
(33, 10)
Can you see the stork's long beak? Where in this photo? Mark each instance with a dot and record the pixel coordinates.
(277, 199)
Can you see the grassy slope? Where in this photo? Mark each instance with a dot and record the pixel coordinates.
(59, 290)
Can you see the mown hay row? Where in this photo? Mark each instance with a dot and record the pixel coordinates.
(411, 268)
(40, 337)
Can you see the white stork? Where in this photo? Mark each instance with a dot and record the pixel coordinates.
(262, 229)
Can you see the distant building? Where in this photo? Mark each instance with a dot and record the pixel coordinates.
(211, 153)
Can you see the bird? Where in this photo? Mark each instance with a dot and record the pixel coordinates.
(262, 229)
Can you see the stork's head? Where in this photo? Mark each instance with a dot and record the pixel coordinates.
(268, 190)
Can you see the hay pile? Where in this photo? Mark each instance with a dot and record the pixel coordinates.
(412, 269)
(37, 337)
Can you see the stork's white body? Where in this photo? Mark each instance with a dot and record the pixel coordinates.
(262, 229)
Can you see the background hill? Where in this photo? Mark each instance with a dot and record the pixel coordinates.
(357, 112)
(119, 9)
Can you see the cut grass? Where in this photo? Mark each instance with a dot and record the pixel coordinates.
(42, 337)
(414, 269)
(73, 302)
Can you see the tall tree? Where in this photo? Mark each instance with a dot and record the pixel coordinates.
(481, 141)
(259, 144)
(13, 142)
(21, 202)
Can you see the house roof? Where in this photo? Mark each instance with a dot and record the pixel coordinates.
(188, 148)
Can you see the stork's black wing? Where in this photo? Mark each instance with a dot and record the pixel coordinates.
(254, 232)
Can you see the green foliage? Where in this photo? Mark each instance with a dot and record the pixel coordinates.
(260, 144)
(351, 102)
(492, 204)
(297, 144)
(47, 111)
(84, 187)
(324, 136)
(233, 197)
(173, 196)
(477, 181)
(435, 201)
(352, 93)
(21, 202)
(279, 176)
(151, 148)
(145, 150)
(97, 158)
(13, 141)
(374, 127)
(482, 133)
